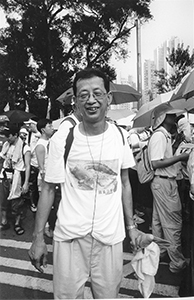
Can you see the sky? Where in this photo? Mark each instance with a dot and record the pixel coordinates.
(171, 18)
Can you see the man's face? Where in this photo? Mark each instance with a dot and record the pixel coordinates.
(170, 119)
(92, 99)
(49, 129)
(31, 127)
(11, 139)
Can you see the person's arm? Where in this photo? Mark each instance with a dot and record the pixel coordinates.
(128, 208)
(27, 158)
(40, 154)
(38, 250)
(138, 238)
(166, 162)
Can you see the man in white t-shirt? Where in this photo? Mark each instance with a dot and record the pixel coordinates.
(95, 190)
(167, 214)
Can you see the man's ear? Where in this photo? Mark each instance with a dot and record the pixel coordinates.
(110, 96)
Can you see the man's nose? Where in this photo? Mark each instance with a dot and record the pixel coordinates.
(91, 98)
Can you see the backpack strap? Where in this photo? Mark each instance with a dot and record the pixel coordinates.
(70, 119)
(120, 130)
(69, 141)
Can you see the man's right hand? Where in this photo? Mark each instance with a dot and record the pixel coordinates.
(38, 255)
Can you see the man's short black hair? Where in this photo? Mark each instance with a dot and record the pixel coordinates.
(42, 124)
(13, 130)
(89, 73)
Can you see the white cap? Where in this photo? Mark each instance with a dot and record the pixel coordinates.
(30, 121)
(23, 130)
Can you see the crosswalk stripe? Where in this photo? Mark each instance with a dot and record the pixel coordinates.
(23, 265)
(131, 284)
(27, 245)
(20, 245)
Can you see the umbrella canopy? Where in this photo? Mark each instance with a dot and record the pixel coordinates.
(18, 116)
(121, 116)
(128, 121)
(122, 93)
(145, 116)
(186, 88)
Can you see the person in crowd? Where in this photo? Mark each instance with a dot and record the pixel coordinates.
(142, 195)
(7, 173)
(20, 182)
(4, 121)
(184, 130)
(167, 211)
(95, 190)
(33, 137)
(46, 129)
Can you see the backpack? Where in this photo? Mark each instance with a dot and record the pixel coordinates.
(70, 137)
(145, 171)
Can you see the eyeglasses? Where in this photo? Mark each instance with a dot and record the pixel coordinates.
(97, 95)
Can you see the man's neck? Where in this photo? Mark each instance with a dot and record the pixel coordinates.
(91, 129)
(44, 137)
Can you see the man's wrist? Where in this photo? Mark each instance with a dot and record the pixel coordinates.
(130, 227)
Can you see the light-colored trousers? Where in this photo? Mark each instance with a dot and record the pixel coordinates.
(75, 261)
(167, 218)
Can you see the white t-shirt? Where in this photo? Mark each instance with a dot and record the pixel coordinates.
(160, 147)
(20, 164)
(66, 124)
(33, 142)
(86, 207)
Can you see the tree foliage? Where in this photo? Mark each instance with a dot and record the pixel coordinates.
(181, 61)
(47, 41)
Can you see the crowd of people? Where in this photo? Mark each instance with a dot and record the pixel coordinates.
(81, 182)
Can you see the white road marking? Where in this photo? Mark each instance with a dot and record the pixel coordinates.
(20, 245)
(46, 285)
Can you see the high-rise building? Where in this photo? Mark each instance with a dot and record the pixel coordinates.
(162, 52)
(149, 92)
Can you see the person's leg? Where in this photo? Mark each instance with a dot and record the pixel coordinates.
(169, 209)
(4, 192)
(33, 188)
(106, 270)
(17, 208)
(71, 262)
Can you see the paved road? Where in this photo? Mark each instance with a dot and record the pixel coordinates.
(19, 279)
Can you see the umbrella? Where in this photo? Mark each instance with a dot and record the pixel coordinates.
(145, 116)
(186, 88)
(121, 116)
(128, 121)
(122, 93)
(18, 116)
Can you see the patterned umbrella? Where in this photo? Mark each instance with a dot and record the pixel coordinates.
(122, 93)
(186, 88)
